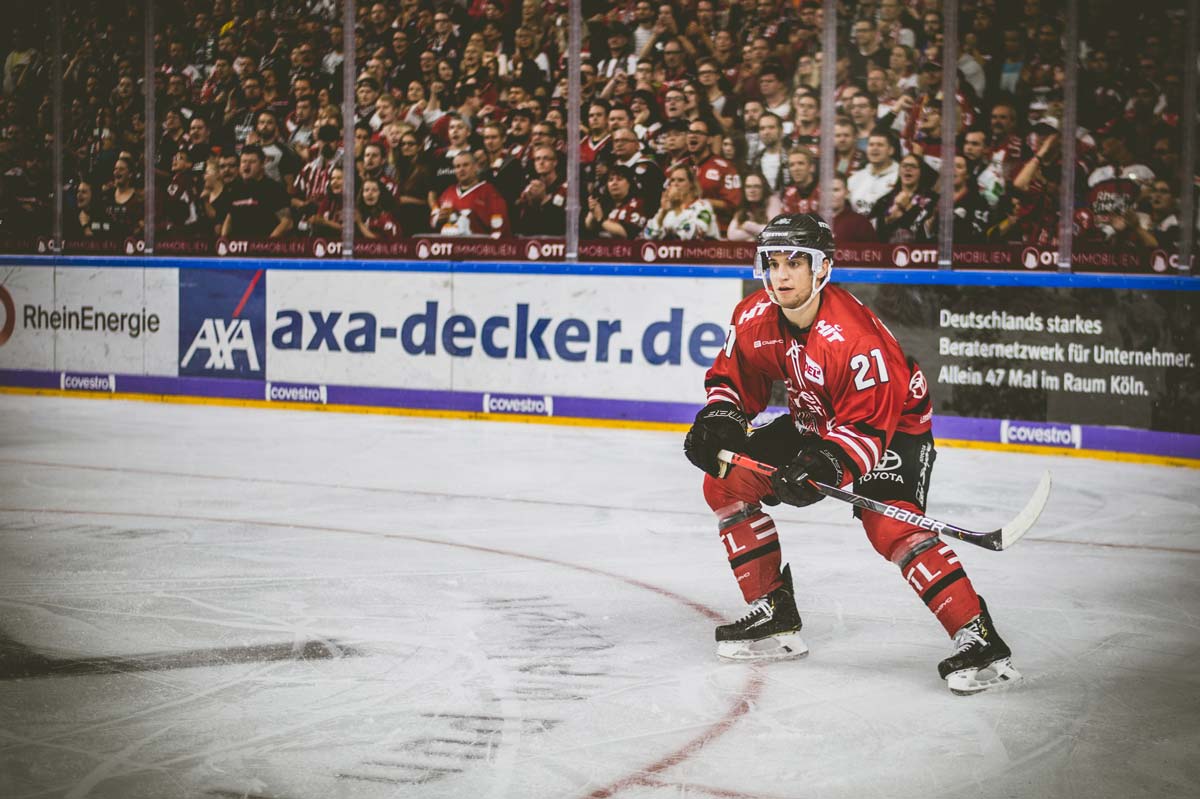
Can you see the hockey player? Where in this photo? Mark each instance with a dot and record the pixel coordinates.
(859, 411)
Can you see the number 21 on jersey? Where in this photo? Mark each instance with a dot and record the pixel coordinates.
(864, 376)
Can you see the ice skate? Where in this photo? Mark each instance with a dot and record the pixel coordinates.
(981, 659)
(770, 630)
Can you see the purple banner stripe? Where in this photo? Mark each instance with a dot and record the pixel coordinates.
(1050, 434)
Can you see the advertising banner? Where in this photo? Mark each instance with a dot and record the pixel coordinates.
(1059, 357)
(510, 336)
(23, 345)
(222, 323)
(115, 319)
(119, 320)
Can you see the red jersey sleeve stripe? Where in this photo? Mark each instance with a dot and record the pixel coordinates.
(854, 449)
(724, 394)
(873, 446)
(867, 442)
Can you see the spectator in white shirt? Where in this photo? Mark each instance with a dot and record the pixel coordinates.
(879, 177)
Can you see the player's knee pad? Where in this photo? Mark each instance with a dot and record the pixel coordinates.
(894, 539)
(752, 546)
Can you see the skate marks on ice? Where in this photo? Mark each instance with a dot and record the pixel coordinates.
(18, 661)
(516, 664)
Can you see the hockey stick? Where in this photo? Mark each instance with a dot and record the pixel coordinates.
(997, 540)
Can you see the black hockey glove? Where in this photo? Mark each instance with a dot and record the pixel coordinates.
(718, 426)
(818, 463)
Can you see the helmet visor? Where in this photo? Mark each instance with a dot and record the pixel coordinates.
(762, 257)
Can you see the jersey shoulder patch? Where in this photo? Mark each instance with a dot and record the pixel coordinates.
(753, 308)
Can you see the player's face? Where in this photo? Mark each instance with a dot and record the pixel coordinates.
(791, 279)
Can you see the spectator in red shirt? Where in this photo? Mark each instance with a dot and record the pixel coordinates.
(720, 183)
(471, 207)
(802, 196)
(1008, 151)
(326, 220)
(848, 224)
(1029, 214)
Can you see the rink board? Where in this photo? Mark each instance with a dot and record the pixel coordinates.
(607, 346)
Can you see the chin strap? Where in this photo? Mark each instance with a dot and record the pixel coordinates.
(816, 288)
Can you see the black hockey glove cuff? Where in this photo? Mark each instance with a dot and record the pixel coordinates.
(820, 463)
(718, 426)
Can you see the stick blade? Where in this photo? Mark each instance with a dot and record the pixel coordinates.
(1024, 521)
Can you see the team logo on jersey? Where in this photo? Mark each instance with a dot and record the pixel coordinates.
(812, 371)
(222, 323)
(917, 385)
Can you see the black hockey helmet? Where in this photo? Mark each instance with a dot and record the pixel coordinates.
(795, 234)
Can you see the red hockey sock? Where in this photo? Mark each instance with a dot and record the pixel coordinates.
(753, 549)
(940, 581)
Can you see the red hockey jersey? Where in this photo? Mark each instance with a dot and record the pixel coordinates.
(847, 379)
(478, 211)
(719, 180)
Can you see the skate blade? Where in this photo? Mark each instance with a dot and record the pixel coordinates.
(972, 681)
(784, 646)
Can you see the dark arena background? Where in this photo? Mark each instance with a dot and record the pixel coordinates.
(400, 312)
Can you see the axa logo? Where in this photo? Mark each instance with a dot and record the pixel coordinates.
(10, 316)
(222, 325)
(222, 339)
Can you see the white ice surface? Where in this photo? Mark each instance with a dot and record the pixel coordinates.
(489, 610)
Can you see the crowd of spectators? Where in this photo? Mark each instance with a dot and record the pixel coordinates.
(701, 120)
